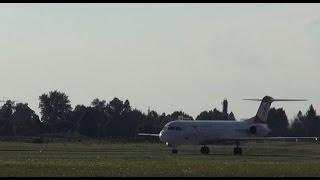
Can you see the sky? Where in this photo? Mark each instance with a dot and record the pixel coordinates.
(168, 57)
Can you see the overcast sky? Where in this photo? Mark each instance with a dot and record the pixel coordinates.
(170, 57)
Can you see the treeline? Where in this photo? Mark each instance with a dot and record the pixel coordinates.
(117, 118)
(303, 125)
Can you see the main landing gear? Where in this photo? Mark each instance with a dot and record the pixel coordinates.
(237, 150)
(204, 150)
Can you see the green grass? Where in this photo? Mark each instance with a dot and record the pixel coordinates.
(159, 166)
(153, 159)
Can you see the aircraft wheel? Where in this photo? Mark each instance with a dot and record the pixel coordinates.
(237, 150)
(202, 150)
(174, 151)
(206, 150)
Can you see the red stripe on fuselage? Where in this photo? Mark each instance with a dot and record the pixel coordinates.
(258, 120)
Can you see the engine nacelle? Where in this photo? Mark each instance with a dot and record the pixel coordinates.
(259, 130)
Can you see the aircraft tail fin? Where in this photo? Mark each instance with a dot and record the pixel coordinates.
(263, 111)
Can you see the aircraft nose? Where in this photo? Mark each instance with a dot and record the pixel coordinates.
(163, 136)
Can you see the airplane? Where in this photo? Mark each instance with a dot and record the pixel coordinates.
(207, 132)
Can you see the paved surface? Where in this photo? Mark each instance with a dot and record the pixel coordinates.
(141, 153)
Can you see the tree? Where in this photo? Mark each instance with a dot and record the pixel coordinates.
(215, 115)
(133, 122)
(231, 116)
(114, 108)
(312, 122)
(306, 125)
(26, 122)
(6, 119)
(78, 113)
(278, 122)
(56, 111)
(18, 119)
(205, 115)
(102, 118)
(152, 122)
(89, 124)
(99, 105)
(144, 124)
(299, 127)
(129, 118)
(119, 114)
(7, 109)
(163, 119)
(175, 115)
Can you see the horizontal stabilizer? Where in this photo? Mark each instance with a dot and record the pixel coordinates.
(277, 99)
(262, 114)
(289, 100)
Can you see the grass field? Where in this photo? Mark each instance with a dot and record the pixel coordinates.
(155, 159)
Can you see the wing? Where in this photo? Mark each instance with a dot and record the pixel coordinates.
(232, 140)
(276, 138)
(144, 134)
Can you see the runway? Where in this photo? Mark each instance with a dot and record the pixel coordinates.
(168, 153)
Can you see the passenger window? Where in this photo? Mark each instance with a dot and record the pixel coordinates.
(171, 128)
(178, 128)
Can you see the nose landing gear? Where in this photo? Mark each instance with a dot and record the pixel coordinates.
(174, 151)
(204, 150)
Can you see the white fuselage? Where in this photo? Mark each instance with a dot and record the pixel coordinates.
(204, 132)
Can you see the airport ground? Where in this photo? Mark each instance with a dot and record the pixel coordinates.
(100, 158)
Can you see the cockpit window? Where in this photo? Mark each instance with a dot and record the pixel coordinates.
(174, 128)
